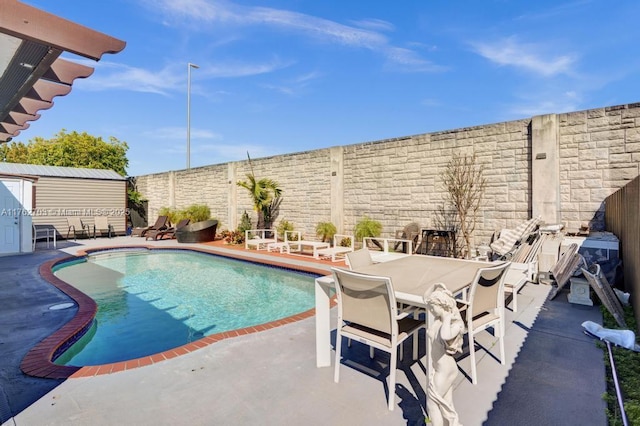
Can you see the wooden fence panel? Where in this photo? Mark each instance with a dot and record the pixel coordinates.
(622, 217)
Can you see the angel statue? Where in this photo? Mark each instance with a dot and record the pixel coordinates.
(445, 336)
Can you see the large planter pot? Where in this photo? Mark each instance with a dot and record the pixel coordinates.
(198, 232)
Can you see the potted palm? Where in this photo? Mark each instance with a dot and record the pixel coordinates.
(367, 227)
(326, 231)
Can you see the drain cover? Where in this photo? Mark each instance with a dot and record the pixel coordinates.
(61, 306)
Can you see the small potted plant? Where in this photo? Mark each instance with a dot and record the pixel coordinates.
(367, 227)
(326, 231)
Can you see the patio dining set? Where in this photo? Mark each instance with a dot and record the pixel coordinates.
(382, 303)
(382, 295)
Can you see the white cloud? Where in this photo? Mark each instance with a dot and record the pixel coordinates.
(295, 85)
(411, 61)
(110, 75)
(364, 35)
(528, 56)
(374, 24)
(171, 78)
(239, 69)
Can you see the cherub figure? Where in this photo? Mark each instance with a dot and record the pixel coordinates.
(445, 336)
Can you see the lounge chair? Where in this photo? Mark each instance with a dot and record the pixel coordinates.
(161, 223)
(386, 252)
(562, 271)
(78, 227)
(259, 238)
(339, 249)
(281, 246)
(160, 234)
(101, 224)
(509, 239)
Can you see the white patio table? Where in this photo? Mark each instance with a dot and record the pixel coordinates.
(411, 277)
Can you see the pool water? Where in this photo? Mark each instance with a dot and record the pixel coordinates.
(152, 301)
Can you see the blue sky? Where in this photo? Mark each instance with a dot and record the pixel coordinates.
(292, 75)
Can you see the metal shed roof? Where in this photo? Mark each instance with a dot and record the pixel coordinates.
(57, 171)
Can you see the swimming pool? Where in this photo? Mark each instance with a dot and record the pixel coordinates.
(153, 300)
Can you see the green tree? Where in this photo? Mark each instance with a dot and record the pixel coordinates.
(265, 194)
(69, 150)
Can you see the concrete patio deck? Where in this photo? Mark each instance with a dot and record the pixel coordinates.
(554, 374)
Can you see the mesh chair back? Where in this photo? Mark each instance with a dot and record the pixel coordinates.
(101, 222)
(359, 258)
(76, 222)
(487, 290)
(365, 300)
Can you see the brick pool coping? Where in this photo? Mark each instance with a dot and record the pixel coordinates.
(38, 361)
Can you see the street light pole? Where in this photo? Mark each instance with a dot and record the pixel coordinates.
(189, 66)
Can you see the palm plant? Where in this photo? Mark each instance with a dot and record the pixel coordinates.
(326, 230)
(265, 194)
(367, 227)
(283, 227)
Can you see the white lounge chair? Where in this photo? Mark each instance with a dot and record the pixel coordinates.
(259, 238)
(339, 250)
(386, 253)
(281, 246)
(508, 238)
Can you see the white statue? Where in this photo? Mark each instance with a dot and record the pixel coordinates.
(445, 336)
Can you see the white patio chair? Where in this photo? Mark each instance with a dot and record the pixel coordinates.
(367, 312)
(484, 309)
(359, 258)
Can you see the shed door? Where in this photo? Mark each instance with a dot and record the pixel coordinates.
(10, 217)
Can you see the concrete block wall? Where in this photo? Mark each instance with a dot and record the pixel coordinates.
(203, 185)
(599, 154)
(304, 178)
(561, 166)
(399, 181)
(158, 189)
